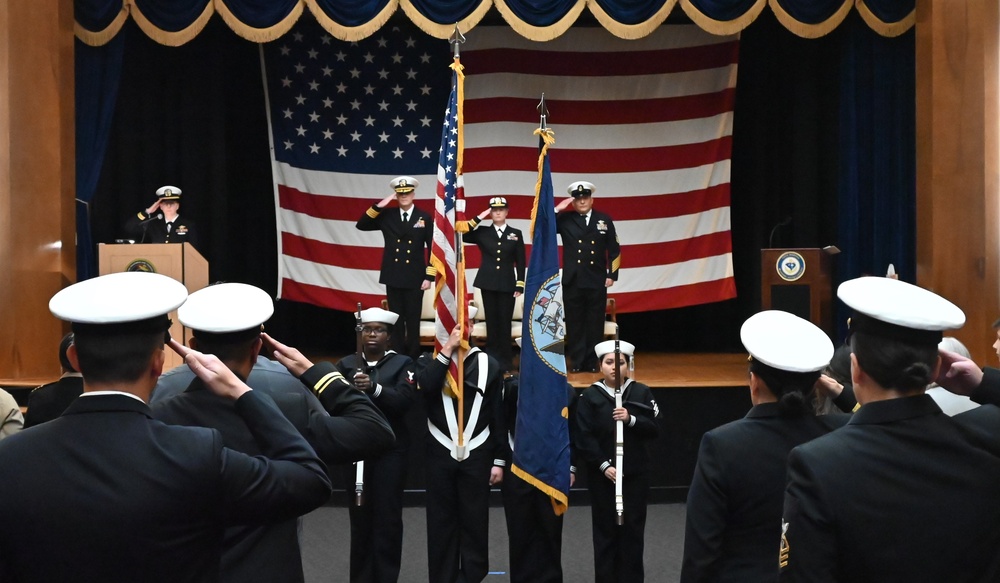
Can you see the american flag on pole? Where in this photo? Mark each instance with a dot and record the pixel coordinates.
(450, 295)
(648, 121)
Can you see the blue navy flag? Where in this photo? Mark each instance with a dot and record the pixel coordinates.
(541, 438)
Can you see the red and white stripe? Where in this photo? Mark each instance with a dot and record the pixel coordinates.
(648, 121)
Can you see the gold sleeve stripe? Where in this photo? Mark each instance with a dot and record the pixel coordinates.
(141, 216)
(373, 213)
(431, 270)
(325, 382)
(519, 284)
(616, 263)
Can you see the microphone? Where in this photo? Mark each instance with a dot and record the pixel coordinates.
(145, 226)
(770, 239)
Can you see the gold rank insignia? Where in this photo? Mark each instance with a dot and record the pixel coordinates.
(602, 226)
(783, 549)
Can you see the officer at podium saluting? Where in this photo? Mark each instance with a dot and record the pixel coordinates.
(161, 221)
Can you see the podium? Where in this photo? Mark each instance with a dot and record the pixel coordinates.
(798, 281)
(178, 261)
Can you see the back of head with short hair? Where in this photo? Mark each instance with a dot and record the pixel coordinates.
(228, 346)
(119, 356)
(64, 345)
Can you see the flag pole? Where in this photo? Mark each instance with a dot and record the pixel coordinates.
(457, 38)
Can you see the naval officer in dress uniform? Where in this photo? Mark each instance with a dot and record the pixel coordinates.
(591, 258)
(501, 275)
(388, 378)
(618, 549)
(106, 493)
(406, 270)
(902, 492)
(734, 502)
(161, 221)
(340, 422)
(459, 478)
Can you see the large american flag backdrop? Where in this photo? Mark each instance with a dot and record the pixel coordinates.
(648, 121)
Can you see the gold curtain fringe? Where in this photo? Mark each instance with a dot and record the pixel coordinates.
(97, 38)
(722, 27)
(560, 502)
(882, 28)
(631, 31)
(168, 38)
(805, 30)
(352, 33)
(540, 33)
(260, 35)
(444, 31)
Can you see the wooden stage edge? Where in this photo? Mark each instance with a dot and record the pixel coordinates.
(657, 370)
(682, 370)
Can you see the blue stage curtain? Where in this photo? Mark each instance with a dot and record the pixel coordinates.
(175, 22)
(98, 75)
(877, 185)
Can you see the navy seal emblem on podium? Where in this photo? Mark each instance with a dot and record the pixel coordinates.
(790, 266)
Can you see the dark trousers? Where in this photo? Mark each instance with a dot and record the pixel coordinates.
(377, 525)
(499, 308)
(408, 303)
(585, 309)
(458, 515)
(534, 533)
(618, 549)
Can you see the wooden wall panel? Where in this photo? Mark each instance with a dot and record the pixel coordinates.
(957, 233)
(37, 224)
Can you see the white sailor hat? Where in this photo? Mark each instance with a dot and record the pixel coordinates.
(498, 202)
(404, 184)
(378, 315)
(118, 298)
(786, 342)
(581, 189)
(608, 346)
(168, 193)
(226, 307)
(894, 309)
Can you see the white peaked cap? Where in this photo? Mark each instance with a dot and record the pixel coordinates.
(118, 298)
(608, 346)
(226, 307)
(900, 303)
(581, 187)
(378, 315)
(404, 183)
(786, 342)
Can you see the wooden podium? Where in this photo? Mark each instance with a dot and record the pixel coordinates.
(178, 261)
(798, 281)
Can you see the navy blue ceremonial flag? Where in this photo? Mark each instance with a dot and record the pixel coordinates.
(541, 442)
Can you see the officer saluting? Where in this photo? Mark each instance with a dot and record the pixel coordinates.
(501, 275)
(161, 222)
(406, 270)
(591, 258)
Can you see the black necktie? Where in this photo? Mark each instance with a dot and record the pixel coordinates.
(406, 216)
(584, 219)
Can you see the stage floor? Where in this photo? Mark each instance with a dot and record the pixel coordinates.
(682, 370)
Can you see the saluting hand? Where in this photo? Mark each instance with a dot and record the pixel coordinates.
(958, 374)
(153, 207)
(385, 201)
(215, 374)
(288, 356)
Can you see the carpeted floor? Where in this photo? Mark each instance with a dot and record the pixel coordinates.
(326, 543)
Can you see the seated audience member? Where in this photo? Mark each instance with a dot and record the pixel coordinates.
(105, 492)
(734, 502)
(618, 548)
(11, 419)
(902, 493)
(949, 402)
(226, 321)
(47, 402)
